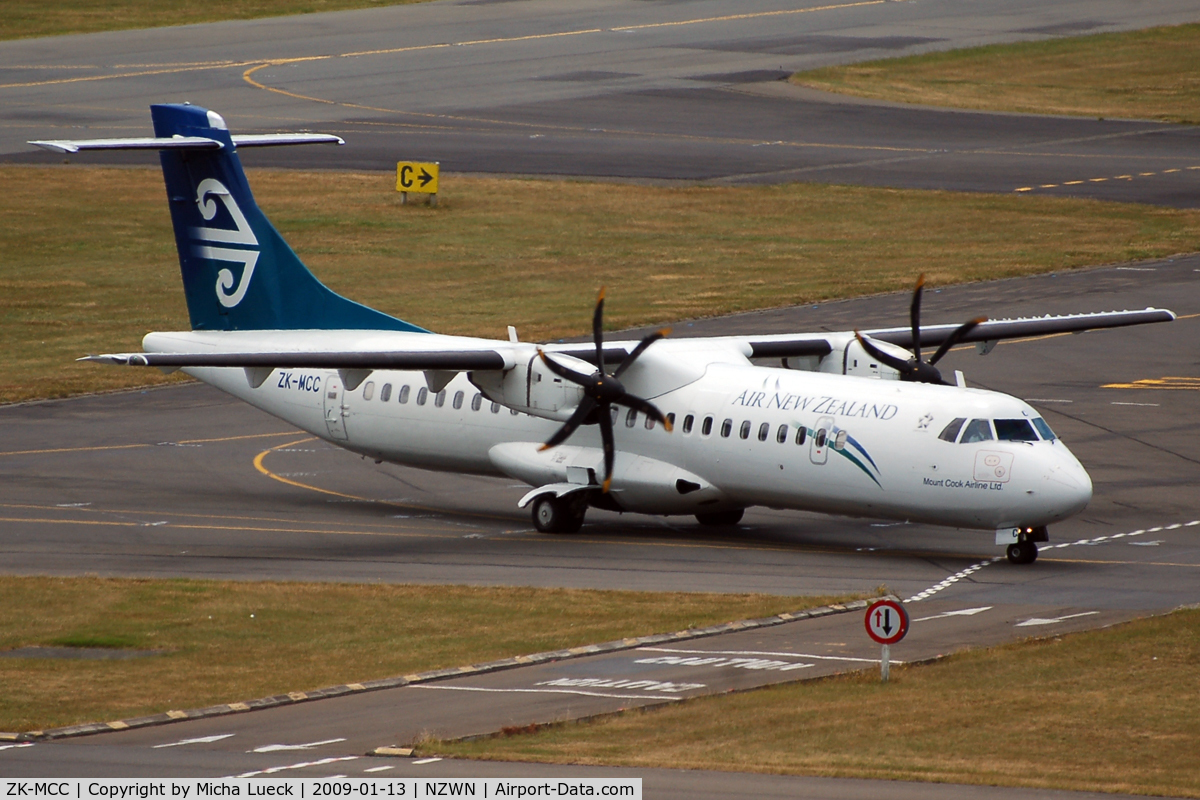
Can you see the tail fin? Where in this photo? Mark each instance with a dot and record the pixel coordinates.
(238, 272)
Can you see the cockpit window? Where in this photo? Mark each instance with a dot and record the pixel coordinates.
(950, 432)
(1015, 430)
(1044, 429)
(978, 430)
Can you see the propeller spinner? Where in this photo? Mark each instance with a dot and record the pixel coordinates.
(602, 391)
(916, 369)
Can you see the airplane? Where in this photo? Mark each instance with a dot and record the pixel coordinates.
(852, 423)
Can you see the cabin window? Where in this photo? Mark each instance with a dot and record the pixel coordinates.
(439, 399)
(404, 393)
(458, 399)
(614, 412)
(978, 430)
(385, 393)
(764, 431)
(781, 435)
(513, 411)
(422, 395)
(839, 441)
(1015, 430)
(687, 423)
(744, 432)
(495, 408)
(820, 440)
(801, 434)
(368, 390)
(631, 418)
(950, 432)
(706, 426)
(1044, 429)
(726, 428)
(671, 419)
(477, 402)
(649, 422)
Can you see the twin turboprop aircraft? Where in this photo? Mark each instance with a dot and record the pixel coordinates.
(853, 423)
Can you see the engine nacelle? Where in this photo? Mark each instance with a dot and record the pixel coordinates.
(531, 387)
(640, 484)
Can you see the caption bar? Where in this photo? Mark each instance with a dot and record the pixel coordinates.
(321, 789)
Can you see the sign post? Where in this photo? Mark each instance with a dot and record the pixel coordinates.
(887, 623)
(419, 177)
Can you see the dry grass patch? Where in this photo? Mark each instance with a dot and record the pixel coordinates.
(1109, 710)
(1147, 74)
(228, 641)
(88, 264)
(23, 19)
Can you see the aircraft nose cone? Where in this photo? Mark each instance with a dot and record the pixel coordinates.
(1069, 482)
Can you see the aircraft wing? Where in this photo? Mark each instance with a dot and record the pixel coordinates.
(812, 344)
(505, 355)
(1025, 327)
(458, 360)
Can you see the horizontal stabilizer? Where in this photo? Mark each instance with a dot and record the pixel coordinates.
(186, 142)
(145, 143)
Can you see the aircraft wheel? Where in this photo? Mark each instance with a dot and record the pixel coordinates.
(557, 514)
(715, 518)
(1022, 553)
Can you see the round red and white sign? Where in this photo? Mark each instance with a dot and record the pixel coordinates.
(887, 621)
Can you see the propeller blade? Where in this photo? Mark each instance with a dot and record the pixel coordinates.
(955, 338)
(646, 408)
(576, 419)
(606, 436)
(641, 348)
(598, 330)
(903, 367)
(565, 372)
(914, 315)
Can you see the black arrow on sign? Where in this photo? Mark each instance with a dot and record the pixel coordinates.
(887, 621)
(424, 177)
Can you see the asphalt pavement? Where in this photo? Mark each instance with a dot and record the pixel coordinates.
(664, 91)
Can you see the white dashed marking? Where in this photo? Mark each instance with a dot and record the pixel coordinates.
(418, 762)
(971, 570)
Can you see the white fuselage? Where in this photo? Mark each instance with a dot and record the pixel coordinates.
(869, 447)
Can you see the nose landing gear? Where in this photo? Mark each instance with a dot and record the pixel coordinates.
(1024, 550)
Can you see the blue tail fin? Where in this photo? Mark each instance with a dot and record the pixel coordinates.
(238, 272)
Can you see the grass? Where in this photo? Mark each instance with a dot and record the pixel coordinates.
(88, 263)
(23, 19)
(1109, 710)
(1147, 74)
(227, 641)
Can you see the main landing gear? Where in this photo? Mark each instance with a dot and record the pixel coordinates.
(559, 514)
(1024, 550)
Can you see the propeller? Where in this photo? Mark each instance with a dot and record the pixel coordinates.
(916, 369)
(602, 391)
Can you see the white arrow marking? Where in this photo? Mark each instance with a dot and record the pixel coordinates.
(962, 612)
(274, 748)
(1038, 621)
(201, 740)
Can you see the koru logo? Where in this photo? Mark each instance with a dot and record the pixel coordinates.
(205, 192)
